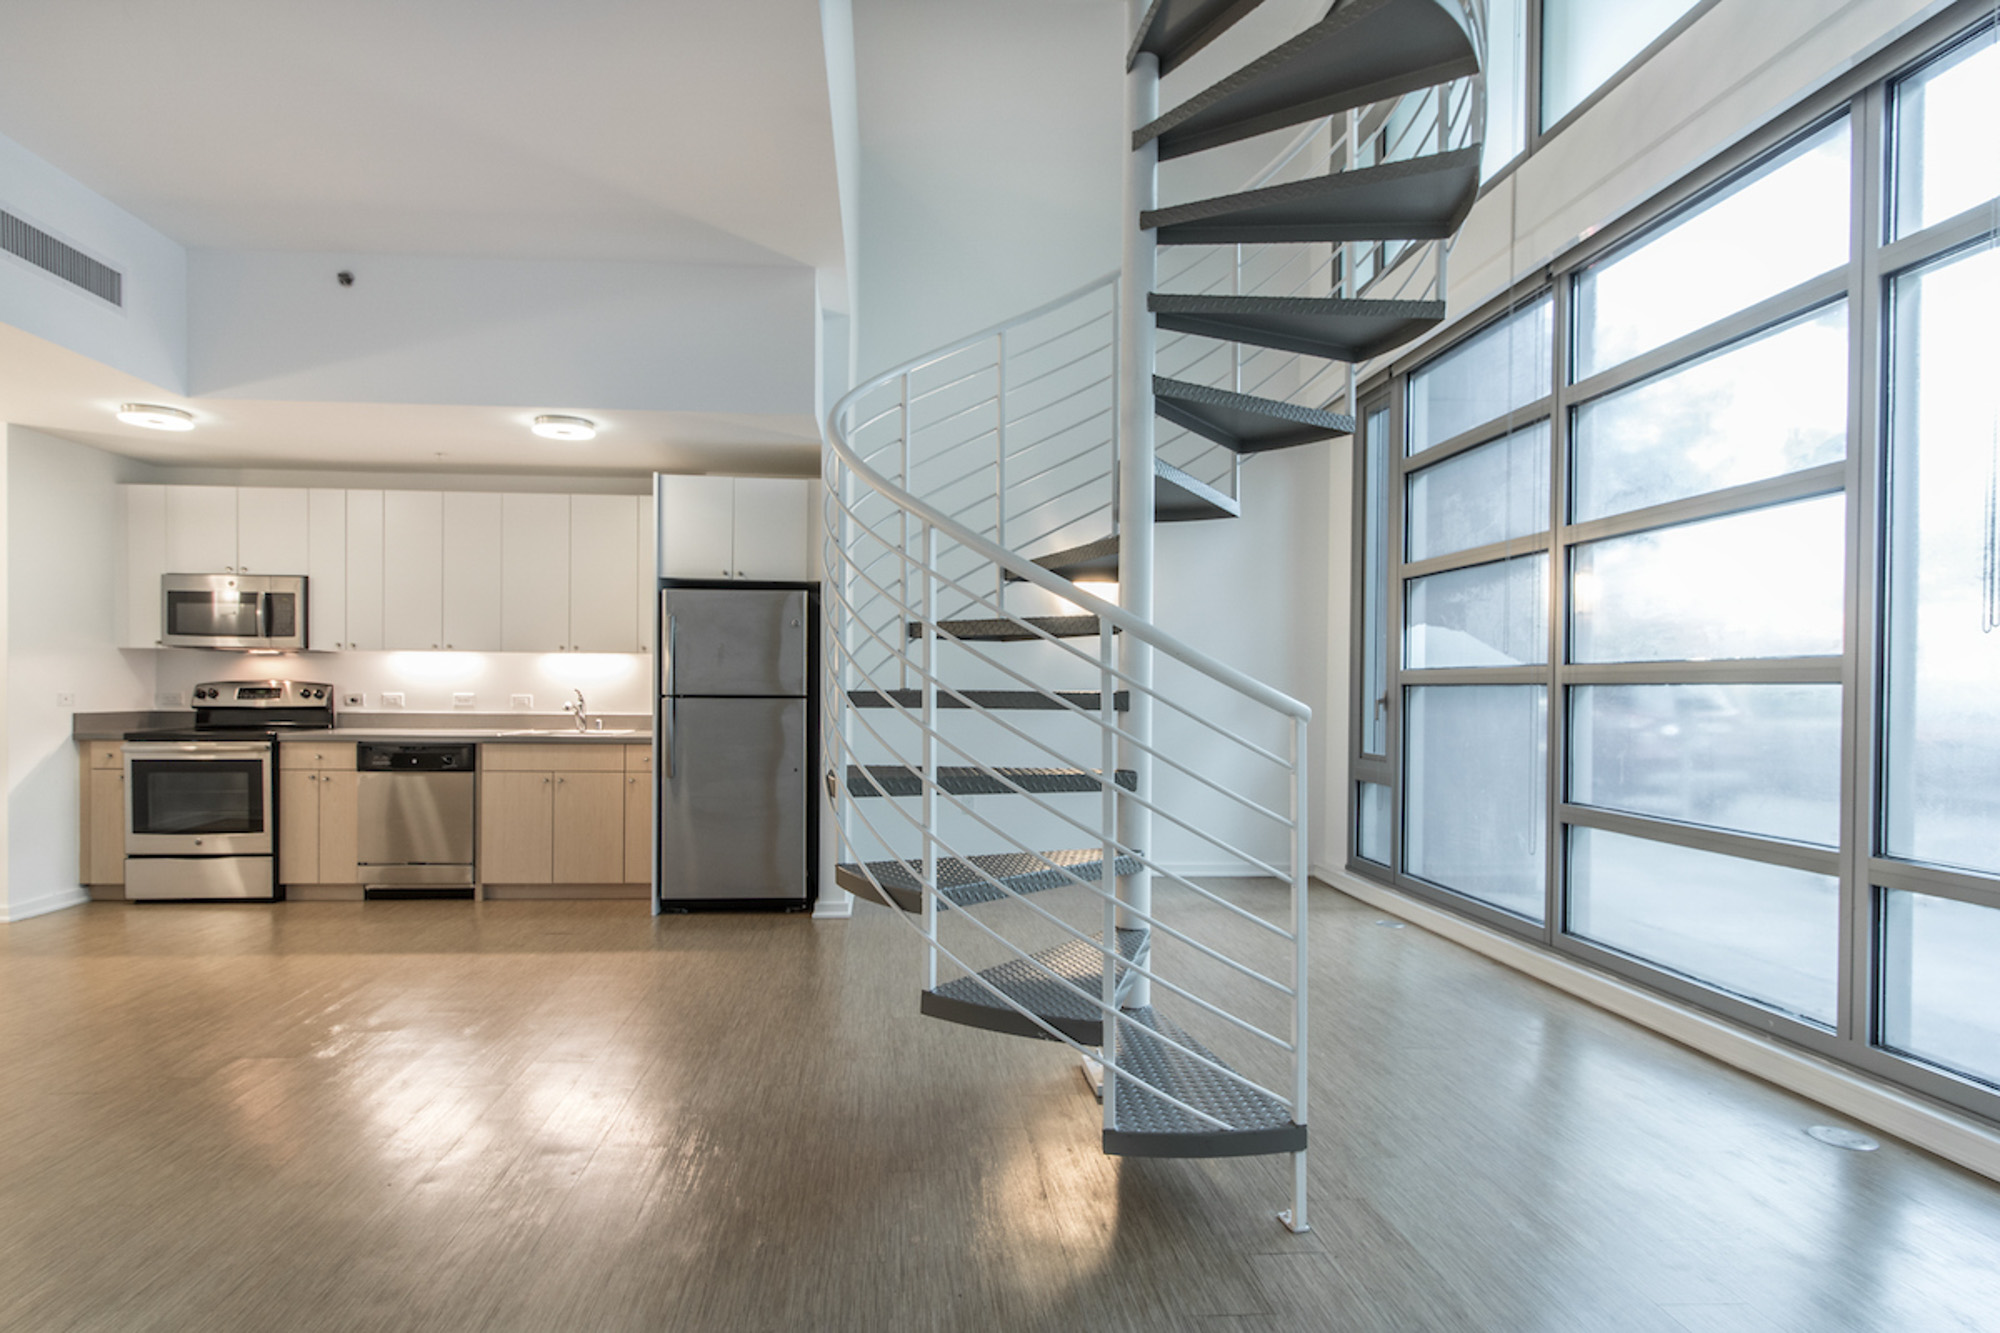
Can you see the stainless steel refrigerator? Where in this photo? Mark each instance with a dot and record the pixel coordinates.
(734, 747)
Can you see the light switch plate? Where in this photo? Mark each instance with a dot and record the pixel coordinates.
(392, 698)
(521, 701)
(65, 701)
(354, 699)
(463, 699)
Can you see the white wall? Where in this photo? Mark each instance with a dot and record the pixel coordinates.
(63, 548)
(147, 337)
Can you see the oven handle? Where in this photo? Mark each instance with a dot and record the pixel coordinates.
(195, 749)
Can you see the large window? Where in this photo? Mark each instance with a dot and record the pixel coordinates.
(1695, 638)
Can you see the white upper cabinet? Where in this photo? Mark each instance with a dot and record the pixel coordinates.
(472, 545)
(734, 527)
(534, 573)
(603, 567)
(412, 570)
(273, 526)
(145, 561)
(326, 570)
(201, 529)
(364, 569)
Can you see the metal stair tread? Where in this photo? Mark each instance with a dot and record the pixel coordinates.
(1363, 51)
(1146, 1126)
(967, 780)
(1173, 30)
(1417, 199)
(1181, 498)
(1337, 328)
(1098, 559)
(1011, 629)
(966, 1001)
(1244, 422)
(1001, 700)
(961, 883)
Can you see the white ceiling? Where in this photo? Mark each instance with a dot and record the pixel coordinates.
(669, 130)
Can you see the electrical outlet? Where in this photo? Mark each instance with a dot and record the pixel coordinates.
(170, 699)
(65, 701)
(392, 698)
(354, 699)
(521, 701)
(462, 700)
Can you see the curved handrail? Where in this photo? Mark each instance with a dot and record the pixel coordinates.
(1027, 570)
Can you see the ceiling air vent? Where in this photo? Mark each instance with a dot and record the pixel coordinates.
(65, 261)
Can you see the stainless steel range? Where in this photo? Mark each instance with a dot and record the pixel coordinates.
(199, 814)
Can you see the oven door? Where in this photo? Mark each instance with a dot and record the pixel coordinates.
(198, 798)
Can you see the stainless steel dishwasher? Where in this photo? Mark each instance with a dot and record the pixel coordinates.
(416, 804)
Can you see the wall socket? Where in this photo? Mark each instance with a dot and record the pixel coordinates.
(521, 701)
(354, 699)
(392, 698)
(462, 700)
(65, 701)
(170, 699)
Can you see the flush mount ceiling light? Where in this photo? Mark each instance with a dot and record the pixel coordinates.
(155, 418)
(565, 428)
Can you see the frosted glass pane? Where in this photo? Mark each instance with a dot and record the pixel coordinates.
(1939, 958)
(1767, 933)
(1506, 72)
(1372, 822)
(1477, 760)
(1503, 367)
(1761, 759)
(1782, 224)
(1493, 493)
(1941, 777)
(1585, 42)
(1484, 615)
(1947, 158)
(1769, 405)
(1766, 583)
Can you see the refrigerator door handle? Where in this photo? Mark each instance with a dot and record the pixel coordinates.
(666, 650)
(669, 705)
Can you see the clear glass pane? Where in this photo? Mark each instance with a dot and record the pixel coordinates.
(1939, 958)
(1493, 493)
(1768, 405)
(1504, 366)
(1946, 114)
(1475, 798)
(1506, 72)
(1585, 42)
(1761, 759)
(1371, 835)
(1484, 615)
(1941, 775)
(1375, 585)
(1766, 583)
(1767, 933)
(1782, 224)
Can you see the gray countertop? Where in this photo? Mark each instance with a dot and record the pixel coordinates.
(624, 729)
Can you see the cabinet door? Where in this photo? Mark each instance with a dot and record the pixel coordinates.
(201, 529)
(534, 573)
(145, 561)
(339, 826)
(770, 540)
(364, 569)
(326, 570)
(516, 811)
(697, 520)
(298, 827)
(412, 570)
(603, 563)
(273, 530)
(590, 828)
(638, 828)
(105, 856)
(472, 572)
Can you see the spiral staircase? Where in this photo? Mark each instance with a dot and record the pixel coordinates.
(1099, 830)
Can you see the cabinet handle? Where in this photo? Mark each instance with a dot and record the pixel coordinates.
(433, 647)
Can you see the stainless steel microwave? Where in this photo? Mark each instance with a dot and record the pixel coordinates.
(233, 610)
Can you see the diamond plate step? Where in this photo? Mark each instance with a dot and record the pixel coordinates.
(1329, 326)
(1363, 51)
(1149, 1127)
(1092, 560)
(966, 1001)
(1181, 498)
(1239, 421)
(960, 884)
(1173, 30)
(1011, 629)
(965, 780)
(1004, 700)
(1420, 199)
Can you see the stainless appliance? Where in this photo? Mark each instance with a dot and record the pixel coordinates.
(734, 743)
(416, 804)
(233, 610)
(199, 813)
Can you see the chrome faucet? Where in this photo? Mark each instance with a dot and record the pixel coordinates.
(581, 709)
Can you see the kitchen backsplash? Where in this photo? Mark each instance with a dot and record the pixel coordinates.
(427, 682)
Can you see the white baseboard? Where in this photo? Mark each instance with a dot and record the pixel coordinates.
(833, 905)
(42, 906)
(1969, 1142)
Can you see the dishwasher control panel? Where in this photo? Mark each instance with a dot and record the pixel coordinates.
(412, 757)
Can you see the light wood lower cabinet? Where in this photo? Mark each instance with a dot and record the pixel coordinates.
(100, 861)
(561, 818)
(638, 828)
(516, 826)
(319, 818)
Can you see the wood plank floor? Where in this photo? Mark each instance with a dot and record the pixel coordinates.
(566, 1115)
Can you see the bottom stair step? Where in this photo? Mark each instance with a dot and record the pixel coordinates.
(961, 882)
(1149, 1127)
(965, 1000)
(967, 780)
